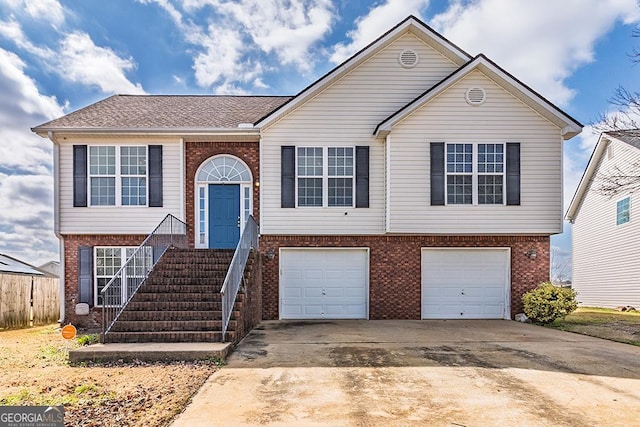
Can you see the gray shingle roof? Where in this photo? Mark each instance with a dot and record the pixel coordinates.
(631, 136)
(11, 265)
(167, 111)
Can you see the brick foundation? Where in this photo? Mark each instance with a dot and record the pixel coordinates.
(71, 245)
(394, 267)
(198, 152)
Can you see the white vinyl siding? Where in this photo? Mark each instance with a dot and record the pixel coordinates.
(118, 219)
(606, 270)
(346, 114)
(500, 119)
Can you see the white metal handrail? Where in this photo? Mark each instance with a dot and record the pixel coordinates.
(114, 297)
(235, 274)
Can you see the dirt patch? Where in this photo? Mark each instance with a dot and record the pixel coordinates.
(350, 357)
(35, 371)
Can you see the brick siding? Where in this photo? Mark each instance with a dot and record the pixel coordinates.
(71, 245)
(198, 152)
(394, 267)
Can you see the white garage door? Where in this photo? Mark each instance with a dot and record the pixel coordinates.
(324, 283)
(465, 283)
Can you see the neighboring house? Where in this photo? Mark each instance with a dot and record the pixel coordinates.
(412, 181)
(12, 265)
(606, 228)
(51, 267)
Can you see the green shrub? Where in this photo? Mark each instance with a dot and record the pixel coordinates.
(88, 339)
(548, 302)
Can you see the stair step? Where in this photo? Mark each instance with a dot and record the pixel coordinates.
(168, 315)
(189, 284)
(176, 297)
(170, 306)
(181, 336)
(171, 326)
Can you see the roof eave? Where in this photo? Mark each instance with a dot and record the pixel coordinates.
(587, 177)
(44, 131)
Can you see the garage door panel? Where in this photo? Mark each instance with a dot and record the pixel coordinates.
(334, 283)
(465, 283)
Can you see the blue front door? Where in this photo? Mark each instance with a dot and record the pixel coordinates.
(224, 216)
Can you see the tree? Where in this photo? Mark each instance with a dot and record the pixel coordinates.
(560, 266)
(623, 178)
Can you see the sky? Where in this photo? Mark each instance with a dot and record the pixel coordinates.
(57, 56)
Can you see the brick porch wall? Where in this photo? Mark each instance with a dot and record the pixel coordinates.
(71, 245)
(198, 152)
(394, 267)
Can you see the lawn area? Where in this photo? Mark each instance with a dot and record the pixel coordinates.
(603, 323)
(35, 371)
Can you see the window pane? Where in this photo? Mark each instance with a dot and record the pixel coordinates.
(490, 158)
(133, 160)
(340, 161)
(103, 191)
(623, 211)
(134, 191)
(309, 161)
(459, 189)
(490, 189)
(340, 192)
(309, 191)
(459, 158)
(102, 160)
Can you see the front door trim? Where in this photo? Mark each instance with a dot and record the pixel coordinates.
(220, 169)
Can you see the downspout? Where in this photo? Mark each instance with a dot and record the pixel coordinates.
(56, 220)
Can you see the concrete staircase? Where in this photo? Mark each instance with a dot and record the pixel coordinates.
(180, 301)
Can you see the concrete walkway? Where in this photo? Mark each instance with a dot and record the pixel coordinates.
(150, 352)
(416, 373)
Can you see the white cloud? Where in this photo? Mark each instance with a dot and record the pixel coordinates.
(11, 30)
(378, 20)
(42, 10)
(83, 62)
(227, 46)
(542, 43)
(26, 217)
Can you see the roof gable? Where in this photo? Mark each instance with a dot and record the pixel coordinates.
(570, 127)
(410, 24)
(629, 137)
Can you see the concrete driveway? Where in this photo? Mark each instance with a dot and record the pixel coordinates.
(406, 373)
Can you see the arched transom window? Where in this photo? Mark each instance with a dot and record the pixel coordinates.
(223, 169)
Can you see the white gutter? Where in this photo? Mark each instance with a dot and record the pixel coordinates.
(56, 219)
(148, 131)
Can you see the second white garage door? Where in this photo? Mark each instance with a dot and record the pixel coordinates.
(465, 283)
(324, 283)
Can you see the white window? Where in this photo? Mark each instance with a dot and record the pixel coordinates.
(118, 175)
(623, 211)
(475, 174)
(108, 260)
(325, 176)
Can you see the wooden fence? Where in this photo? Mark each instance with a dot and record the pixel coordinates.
(28, 300)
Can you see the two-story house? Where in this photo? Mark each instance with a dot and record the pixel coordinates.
(606, 230)
(412, 181)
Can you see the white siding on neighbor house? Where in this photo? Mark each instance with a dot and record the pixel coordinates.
(606, 264)
(120, 219)
(346, 114)
(502, 118)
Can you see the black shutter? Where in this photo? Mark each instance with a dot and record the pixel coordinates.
(513, 173)
(79, 175)
(288, 177)
(155, 175)
(85, 275)
(362, 177)
(437, 173)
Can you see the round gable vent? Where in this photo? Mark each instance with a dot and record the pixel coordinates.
(475, 96)
(408, 58)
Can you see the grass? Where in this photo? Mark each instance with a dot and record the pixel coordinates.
(603, 323)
